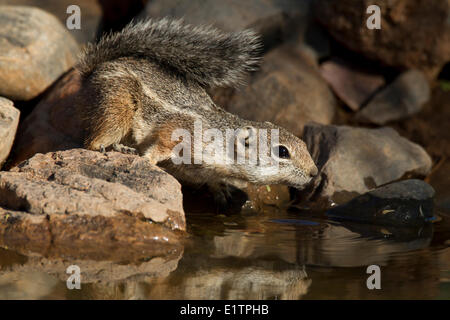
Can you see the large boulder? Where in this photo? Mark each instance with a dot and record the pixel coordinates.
(35, 50)
(9, 120)
(287, 90)
(354, 160)
(78, 197)
(401, 99)
(413, 35)
(91, 13)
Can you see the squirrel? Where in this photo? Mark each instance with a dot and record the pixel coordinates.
(142, 83)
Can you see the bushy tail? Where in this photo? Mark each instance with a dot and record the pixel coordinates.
(204, 54)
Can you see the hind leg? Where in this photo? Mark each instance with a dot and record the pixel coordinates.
(111, 111)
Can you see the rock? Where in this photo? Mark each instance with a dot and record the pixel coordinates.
(53, 124)
(9, 120)
(353, 160)
(404, 203)
(268, 197)
(90, 14)
(79, 196)
(401, 99)
(400, 42)
(288, 91)
(353, 86)
(270, 18)
(35, 50)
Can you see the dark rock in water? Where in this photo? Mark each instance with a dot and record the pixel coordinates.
(9, 120)
(353, 86)
(287, 90)
(404, 203)
(35, 49)
(401, 99)
(413, 35)
(352, 161)
(84, 197)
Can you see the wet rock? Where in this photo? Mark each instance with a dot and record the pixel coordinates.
(35, 49)
(270, 18)
(80, 196)
(353, 160)
(413, 35)
(268, 196)
(353, 86)
(53, 124)
(287, 90)
(9, 120)
(404, 203)
(401, 99)
(90, 14)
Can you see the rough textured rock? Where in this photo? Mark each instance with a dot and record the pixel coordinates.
(353, 86)
(413, 35)
(287, 90)
(90, 14)
(401, 99)
(53, 124)
(81, 196)
(9, 120)
(404, 203)
(35, 49)
(353, 160)
(271, 18)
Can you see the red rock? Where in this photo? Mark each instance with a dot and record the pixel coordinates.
(354, 87)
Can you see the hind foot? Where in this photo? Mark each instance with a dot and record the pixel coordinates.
(124, 149)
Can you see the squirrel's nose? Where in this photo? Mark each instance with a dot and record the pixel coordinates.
(314, 171)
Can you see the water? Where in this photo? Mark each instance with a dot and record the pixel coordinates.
(263, 254)
(253, 256)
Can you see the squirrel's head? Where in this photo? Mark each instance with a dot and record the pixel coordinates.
(288, 160)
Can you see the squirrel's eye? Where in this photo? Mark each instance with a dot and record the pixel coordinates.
(283, 152)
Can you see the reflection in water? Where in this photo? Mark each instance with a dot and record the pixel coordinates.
(249, 256)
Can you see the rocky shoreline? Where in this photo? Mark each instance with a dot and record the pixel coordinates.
(364, 126)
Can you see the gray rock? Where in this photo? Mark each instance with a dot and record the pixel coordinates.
(270, 18)
(353, 160)
(354, 87)
(79, 196)
(9, 120)
(35, 49)
(413, 35)
(91, 14)
(287, 90)
(401, 99)
(404, 203)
